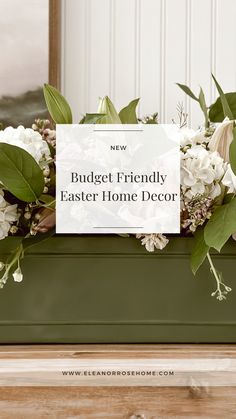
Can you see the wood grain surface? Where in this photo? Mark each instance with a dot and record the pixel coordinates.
(118, 402)
(54, 75)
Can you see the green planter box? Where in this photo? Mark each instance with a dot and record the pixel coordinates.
(90, 289)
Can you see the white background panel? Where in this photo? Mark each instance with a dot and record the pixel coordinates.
(141, 48)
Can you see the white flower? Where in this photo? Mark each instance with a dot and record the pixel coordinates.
(191, 137)
(229, 180)
(222, 138)
(201, 172)
(8, 214)
(152, 241)
(17, 275)
(28, 139)
(187, 136)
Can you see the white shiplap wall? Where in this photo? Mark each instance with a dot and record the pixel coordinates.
(140, 48)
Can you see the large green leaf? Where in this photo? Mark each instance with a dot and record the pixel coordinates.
(20, 173)
(57, 105)
(221, 225)
(106, 107)
(216, 113)
(226, 108)
(128, 114)
(91, 118)
(188, 91)
(232, 152)
(199, 251)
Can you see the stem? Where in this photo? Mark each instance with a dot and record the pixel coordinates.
(207, 124)
(220, 294)
(218, 281)
(15, 259)
(212, 267)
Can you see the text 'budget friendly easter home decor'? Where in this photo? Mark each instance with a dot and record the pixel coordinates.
(208, 179)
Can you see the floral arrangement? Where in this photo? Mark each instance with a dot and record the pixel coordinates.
(208, 178)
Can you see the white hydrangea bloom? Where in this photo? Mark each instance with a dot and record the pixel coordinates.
(152, 241)
(28, 139)
(229, 180)
(201, 172)
(8, 214)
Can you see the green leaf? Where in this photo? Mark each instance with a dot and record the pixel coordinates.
(57, 105)
(106, 107)
(216, 113)
(225, 105)
(202, 102)
(153, 119)
(128, 114)
(221, 225)
(91, 118)
(232, 152)
(228, 197)
(199, 251)
(188, 91)
(48, 200)
(20, 173)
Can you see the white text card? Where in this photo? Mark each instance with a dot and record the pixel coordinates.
(118, 179)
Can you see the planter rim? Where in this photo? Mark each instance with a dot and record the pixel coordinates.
(107, 244)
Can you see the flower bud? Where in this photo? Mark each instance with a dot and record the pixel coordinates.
(46, 171)
(17, 275)
(13, 229)
(27, 215)
(222, 138)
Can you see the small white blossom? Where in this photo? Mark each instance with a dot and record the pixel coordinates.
(152, 241)
(17, 275)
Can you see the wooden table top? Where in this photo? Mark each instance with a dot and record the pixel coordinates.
(90, 402)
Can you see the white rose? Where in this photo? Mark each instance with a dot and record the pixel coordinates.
(197, 166)
(28, 139)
